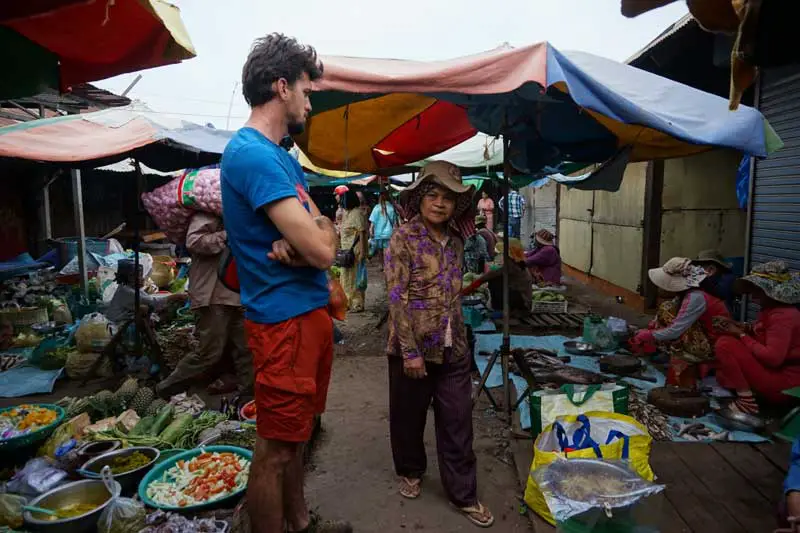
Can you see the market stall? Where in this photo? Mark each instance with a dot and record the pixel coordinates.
(553, 109)
(79, 463)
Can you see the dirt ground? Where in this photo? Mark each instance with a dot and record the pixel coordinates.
(352, 476)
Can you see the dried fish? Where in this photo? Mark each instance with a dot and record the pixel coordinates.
(656, 422)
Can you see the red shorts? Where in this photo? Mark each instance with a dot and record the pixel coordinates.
(292, 361)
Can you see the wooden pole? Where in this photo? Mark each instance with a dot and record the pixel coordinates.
(505, 347)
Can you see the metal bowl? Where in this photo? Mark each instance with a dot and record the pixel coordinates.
(96, 449)
(579, 348)
(738, 421)
(129, 481)
(85, 491)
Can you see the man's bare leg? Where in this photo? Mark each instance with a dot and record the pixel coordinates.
(295, 509)
(266, 485)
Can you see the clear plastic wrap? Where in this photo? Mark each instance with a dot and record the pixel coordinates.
(122, 515)
(595, 496)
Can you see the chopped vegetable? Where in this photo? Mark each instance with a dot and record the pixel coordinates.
(25, 419)
(205, 478)
(122, 464)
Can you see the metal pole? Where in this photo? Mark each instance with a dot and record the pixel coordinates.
(77, 201)
(751, 187)
(505, 347)
(136, 262)
(48, 227)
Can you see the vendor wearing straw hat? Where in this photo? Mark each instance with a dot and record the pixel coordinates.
(763, 358)
(684, 324)
(428, 352)
(720, 276)
(544, 261)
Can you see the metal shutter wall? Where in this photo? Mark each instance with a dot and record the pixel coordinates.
(776, 191)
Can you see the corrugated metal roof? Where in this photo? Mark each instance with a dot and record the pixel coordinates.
(674, 28)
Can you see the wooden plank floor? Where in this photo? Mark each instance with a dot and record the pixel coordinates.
(716, 488)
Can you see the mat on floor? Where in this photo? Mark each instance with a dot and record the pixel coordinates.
(490, 343)
(27, 380)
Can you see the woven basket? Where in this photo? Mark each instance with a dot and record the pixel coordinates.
(554, 308)
(24, 316)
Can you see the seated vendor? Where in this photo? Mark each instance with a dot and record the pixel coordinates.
(683, 326)
(720, 276)
(544, 261)
(519, 280)
(120, 309)
(487, 234)
(763, 358)
(476, 255)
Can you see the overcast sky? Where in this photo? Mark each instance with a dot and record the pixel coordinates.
(200, 89)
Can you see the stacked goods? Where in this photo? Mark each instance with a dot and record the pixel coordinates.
(172, 205)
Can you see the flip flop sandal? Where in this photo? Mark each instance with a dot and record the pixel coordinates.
(477, 514)
(410, 490)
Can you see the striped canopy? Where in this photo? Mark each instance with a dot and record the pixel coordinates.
(554, 106)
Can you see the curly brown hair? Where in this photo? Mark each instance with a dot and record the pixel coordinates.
(274, 57)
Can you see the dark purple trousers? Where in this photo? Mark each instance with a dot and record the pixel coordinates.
(449, 387)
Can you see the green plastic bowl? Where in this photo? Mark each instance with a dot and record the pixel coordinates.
(29, 439)
(160, 469)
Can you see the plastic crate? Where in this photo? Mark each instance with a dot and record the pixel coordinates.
(552, 308)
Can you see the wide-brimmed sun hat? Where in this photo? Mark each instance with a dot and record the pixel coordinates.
(775, 279)
(677, 275)
(544, 237)
(712, 256)
(515, 249)
(445, 175)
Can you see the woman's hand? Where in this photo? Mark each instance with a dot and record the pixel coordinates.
(414, 368)
(729, 327)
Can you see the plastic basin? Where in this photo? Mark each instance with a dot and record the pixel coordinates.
(160, 469)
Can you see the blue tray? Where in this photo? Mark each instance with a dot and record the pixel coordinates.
(158, 472)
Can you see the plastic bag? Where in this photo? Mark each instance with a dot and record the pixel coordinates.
(66, 431)
(361, 276)
(200, 189)
(588, 495)
(592, 435)
(94, 332)
(36, 477)
(162, 206)
(11, 510)
(79, 365)
(122, 515)
(337, 300)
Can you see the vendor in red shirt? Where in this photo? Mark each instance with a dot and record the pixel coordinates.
(762, 358)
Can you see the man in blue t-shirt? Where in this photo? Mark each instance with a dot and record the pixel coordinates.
(282, 246)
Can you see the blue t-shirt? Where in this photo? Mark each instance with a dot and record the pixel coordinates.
(384, 225)
(254, 173)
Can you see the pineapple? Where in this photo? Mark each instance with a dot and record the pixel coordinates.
(126, 392)
(77, 407)
(156, 406)
(142, 400)
(101, 402)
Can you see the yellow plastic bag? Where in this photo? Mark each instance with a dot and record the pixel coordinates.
(615, 437)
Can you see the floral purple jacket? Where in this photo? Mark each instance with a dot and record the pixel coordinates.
(423, 278)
